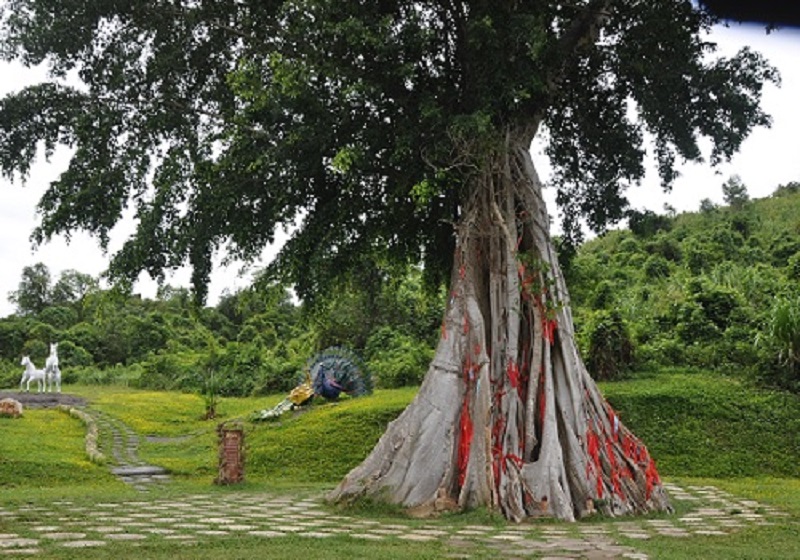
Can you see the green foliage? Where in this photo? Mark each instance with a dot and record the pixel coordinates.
(734, 192)
(700, 293)
(609, 350)
(365, 119)
(69, 354)
(782, 338)
(646, 223)
(396, 359)
(33, 293)
(58, 317)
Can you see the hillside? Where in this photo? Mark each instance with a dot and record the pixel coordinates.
(697, 289)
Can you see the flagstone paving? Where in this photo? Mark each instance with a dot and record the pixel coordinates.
(130, 468)
(196, 519)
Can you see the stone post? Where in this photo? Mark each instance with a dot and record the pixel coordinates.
(231, 454)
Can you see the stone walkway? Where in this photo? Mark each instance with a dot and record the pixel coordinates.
(195, 519)
(124, 443)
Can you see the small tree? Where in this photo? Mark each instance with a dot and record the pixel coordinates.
(610, 350)
(34, 291)
(734, 192)
(782, 335)
(707, 206)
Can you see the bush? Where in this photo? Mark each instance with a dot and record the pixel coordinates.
(609, 345)
(781, 338)
(656, 267)
(397, 359)
(72, 355)
(117, 375)
(10, 373)
(278, 376)
(58, 317)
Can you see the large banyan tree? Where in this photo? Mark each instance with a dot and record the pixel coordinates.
(401, 130)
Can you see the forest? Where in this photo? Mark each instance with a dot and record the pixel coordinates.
(717, 289)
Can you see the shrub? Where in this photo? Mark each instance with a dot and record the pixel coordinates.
(782, 338)
(69, 354)
(397, 359)
(655, 267)
(609, 345)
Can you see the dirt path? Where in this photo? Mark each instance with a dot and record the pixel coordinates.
(43, 400)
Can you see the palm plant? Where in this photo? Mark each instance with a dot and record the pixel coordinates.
(783, 335)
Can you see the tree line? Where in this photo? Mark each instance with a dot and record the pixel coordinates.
(716, 289)
(255, 341)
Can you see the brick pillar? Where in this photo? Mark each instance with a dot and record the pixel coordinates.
(231, 454)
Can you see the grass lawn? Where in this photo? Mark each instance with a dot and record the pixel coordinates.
(703, 430)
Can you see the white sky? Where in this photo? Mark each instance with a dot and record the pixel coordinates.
(768, 158)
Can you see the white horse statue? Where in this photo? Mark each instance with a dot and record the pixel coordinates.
(51, 369)
(32, 374)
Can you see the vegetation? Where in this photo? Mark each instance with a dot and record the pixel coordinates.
(717, 289)
(253, 342)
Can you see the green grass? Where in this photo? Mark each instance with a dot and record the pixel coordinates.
(325, 443)
(248, 548)
(696, 425)
(316, 445)
(44, 449)
(711, 426)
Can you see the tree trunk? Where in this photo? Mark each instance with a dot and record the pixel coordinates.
(507, 415)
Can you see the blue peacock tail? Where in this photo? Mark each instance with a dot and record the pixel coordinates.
(330, 373)
(338, 370)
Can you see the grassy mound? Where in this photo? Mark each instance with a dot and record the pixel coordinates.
(710, 426)
(696, 425)
(322, 444)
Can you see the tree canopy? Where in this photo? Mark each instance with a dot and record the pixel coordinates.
(360, 123)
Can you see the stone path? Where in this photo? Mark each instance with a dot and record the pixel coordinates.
(124, 443)
(29, 530)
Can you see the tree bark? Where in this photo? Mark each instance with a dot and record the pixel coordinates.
(507, 415)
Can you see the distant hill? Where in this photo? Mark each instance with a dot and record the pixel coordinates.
(695, 289)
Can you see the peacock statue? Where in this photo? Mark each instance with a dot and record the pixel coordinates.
(330, 373)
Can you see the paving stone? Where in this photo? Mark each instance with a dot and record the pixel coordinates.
(219, 520)
(639, 536)
(431, 532)
(126, 536)
(18, 542)
(288, 528)
(417, 537)
(63, 536)
(674, 532)
(371, 537)
(508, 537)
(268, 534)
(387, 532)
(45, 528)
(160, 531)
(83, 544)
(106, 529)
